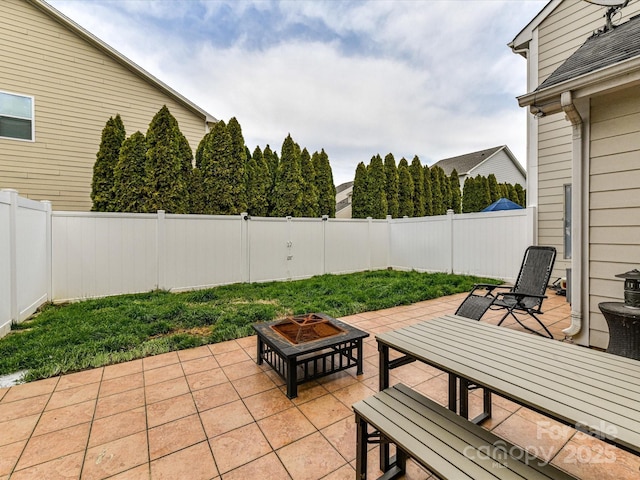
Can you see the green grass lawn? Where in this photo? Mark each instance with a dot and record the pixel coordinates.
(94, 333)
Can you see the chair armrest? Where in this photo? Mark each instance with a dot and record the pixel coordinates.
(520, 295)
(487, 286)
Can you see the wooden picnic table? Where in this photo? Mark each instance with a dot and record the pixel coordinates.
(593, 391)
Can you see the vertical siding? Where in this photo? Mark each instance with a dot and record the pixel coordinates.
(77, 87)
(560, 35)
(614, 192)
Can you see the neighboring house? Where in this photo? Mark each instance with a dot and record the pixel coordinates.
(59, 85)
(344, 192)
(584, 144)
(497, 160)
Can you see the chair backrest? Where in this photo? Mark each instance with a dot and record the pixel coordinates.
(535, 272)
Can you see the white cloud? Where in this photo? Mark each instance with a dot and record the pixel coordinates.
(433, 78)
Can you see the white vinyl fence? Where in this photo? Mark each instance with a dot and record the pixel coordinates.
(62, 256)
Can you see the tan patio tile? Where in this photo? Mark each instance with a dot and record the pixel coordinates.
(3, 392)
(79, 379)
(215, 396)
(73, 395)
(242, 369)
(207, 378)
(306, 392)
(22, 408)
(61, 468)
(253, 384)
(543, 438)
(30, 390)
(372, 382)
(342, 436)
(107, 429)
(193, 463)
(588, 458)
(162, 374)
(121, 384)
(162, 391)
(64, 417)
(248, 343)
(411, 375)
(339, 380)
(122, 369)
(9, 455)
(174, 436)
(232, 357)
(267, 403)
(346, 472)
(141, 472)
(353, 393)
(238, 447)
(225, 418)
(53, 445)
(17, 429)
(310, 458)
(436, 388)
(201, 364)
(119, 402)
(273, 375)
(171, 409)
(268, 467)
(324, 411)
(162, 360)
(194, 353)
(285, 427)
(224, 347)
(115, 457)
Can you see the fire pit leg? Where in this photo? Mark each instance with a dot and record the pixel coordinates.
(260, 349)
(292, 378)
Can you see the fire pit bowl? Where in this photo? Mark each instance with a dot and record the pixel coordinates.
(306, 328)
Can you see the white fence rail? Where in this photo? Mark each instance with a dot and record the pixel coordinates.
(62, 256)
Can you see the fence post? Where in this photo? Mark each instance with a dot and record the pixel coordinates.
(450, 214)
(161, 258)
(325, 219)
(389, 236)
(369, 222)
(245, 260)
(49, 247)
(13, 274)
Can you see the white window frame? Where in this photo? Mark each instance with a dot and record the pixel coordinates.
(32, 119)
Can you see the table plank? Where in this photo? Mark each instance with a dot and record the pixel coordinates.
(575, 385)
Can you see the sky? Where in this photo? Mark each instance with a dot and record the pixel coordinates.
(432, 78)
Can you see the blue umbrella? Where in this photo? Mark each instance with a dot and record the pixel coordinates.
(502, 204)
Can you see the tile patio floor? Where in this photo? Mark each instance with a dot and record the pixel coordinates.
(212, 413)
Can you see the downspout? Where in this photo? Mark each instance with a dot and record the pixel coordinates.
(569, 108)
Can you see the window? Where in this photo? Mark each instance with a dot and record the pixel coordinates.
(16, 116)
(567, 221)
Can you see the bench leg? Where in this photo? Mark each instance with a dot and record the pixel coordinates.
(361, 448)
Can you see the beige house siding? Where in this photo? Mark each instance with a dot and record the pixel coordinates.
(560, 35)
(614, 196)
(76, 88)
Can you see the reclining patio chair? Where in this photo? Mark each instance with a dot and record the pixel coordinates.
(525, 297)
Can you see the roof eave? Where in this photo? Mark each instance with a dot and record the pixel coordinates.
(118, 57)
(547, 101)
(522, 39)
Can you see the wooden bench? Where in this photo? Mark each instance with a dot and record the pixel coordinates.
(443, 442)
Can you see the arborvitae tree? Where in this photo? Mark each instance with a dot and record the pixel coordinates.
(219, 179)
(522, 198)
(239, 161)
(494, 190)
(417, 174)
(201, 147)
(129, 175)
(271, 158)
(102, 192)
(324, 184)
(513, 194)
(391, 182)
(258, 184)
(405, 190)
(309, 207)
(456, 195)
(436, 191)
(468, 196)
(166, 182)
(484, 196)
(376, 183)
(196, 192)
(288, 191)
(428, 194)
(445, 185)
(359, 197)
